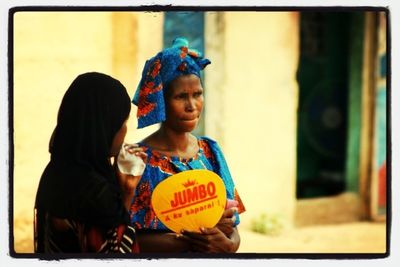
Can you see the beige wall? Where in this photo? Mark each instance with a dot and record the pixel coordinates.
(149, 43)
(50, 50)
(251, 102)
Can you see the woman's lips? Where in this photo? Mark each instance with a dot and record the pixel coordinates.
(189, 119)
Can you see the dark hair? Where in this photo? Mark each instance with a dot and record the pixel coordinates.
(92, 111)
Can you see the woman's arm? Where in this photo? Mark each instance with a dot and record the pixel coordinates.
(128, 185)
(154, 241)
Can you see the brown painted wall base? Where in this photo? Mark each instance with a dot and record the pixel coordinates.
(342, 208)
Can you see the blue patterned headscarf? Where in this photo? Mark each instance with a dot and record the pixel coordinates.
(157, 74)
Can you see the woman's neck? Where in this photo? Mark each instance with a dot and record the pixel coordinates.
(170, 142)
(174, 141)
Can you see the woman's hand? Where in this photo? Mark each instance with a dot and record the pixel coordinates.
(223, 238)
(129, 182)
(210, 240)
(227, 221)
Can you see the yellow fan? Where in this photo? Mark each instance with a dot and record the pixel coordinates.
(190, 200)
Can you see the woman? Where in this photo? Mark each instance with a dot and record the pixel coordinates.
(170, 92)
(82, 201)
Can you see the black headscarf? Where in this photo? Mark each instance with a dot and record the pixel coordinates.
(79, 182)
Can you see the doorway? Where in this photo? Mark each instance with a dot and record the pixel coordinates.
(323, 78)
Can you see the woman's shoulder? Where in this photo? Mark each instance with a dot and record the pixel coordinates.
(206, 139)
(209, 142)
(210, 147)
(147, 144)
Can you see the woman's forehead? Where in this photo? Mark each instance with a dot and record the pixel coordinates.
(185, 80)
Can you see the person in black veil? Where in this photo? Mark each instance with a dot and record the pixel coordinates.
(83, 199)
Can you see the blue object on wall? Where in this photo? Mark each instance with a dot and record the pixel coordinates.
(187, 24)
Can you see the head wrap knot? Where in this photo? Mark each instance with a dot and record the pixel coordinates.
(158, 73)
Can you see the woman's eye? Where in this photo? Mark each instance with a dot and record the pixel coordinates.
(180, 96)
(198, 94)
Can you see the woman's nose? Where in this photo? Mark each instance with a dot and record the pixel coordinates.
(190, 104)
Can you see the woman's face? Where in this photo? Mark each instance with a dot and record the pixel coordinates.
(184, 103)
(118, 140)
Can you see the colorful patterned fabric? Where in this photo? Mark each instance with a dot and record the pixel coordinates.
(158, 72)
(159, 167)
